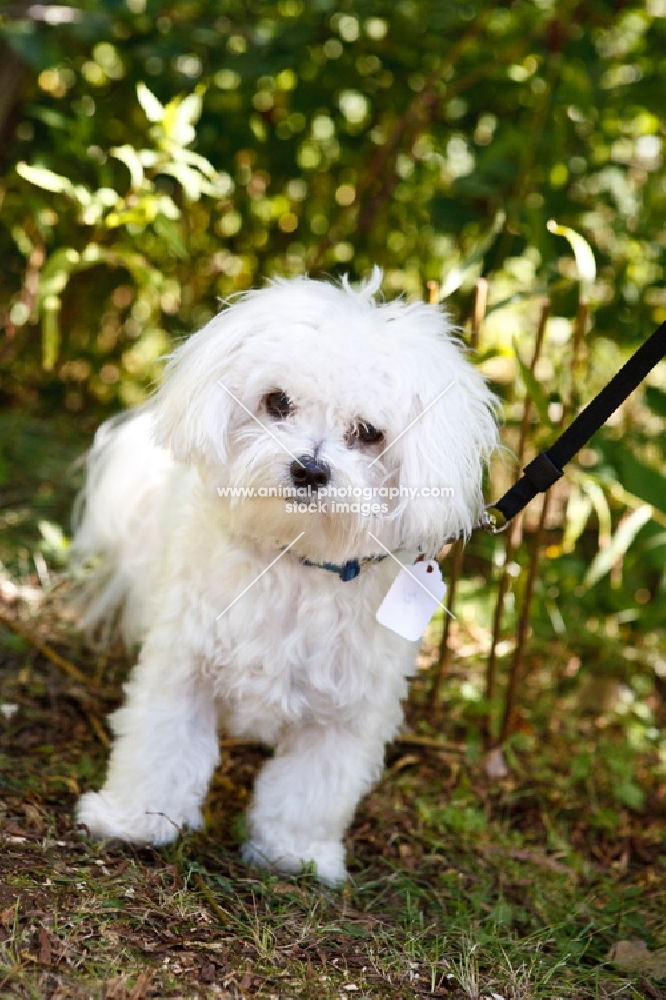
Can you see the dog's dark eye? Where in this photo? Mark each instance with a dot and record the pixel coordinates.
(365, 433)
(278, 404)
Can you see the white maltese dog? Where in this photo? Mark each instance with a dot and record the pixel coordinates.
(257, 611)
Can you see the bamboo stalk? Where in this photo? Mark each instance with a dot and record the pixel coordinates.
(444, 654)
(457, 553)
(516, 673)
(512, 538)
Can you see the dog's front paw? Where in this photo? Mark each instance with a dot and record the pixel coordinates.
(106, 818)
(327, 856)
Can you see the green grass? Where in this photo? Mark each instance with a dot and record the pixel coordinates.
(461, 886)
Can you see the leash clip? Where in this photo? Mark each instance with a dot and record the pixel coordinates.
(493, 521)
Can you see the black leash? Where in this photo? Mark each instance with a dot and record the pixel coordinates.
(544, 470)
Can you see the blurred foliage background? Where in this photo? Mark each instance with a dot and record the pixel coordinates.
(159, 156)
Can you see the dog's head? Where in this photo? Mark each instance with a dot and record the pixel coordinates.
(370, 409)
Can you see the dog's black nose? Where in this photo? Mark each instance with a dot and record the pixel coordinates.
(308, 472)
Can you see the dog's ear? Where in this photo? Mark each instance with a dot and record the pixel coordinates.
(194, 409)
(446, 450)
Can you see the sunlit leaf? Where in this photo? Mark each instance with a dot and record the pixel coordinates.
(54, 542)
(46, 179)
(148, 207)
(148, 157)
(55, 273)
(585, 262)
(129, 156)
(81, 194)
(455, 277)
(93, 254)
(579, 508)
(604, 560)
(601, 507)
(189, 109)
(152, 107)
(49, 181)
(177, 124)
(195, 160)
(191, 180)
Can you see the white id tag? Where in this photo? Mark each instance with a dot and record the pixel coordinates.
(412, 600)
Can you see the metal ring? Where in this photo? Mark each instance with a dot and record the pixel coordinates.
(494, 521)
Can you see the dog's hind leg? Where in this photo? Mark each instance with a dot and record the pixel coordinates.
(162, 759)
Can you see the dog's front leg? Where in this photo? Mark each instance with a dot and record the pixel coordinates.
(305, 799)
(163, 756)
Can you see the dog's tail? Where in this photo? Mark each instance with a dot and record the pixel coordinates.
(116, 523)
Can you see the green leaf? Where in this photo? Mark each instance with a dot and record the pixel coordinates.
(604, 560)
(147, 209)
(189, 109)
(642, 480)
(153, 109)
(54, 276)
(130, 157)
(93, 254)
(54, 543)
(455, 276)
(170, 233)
(190, 180)
(534, 390)
(630, 794)
(585, 262)
(178, 127)
(600, 504)
(148, 157)
(579, 508)
(22, 240)
(200, 162)
(656, 400)
(46, 179)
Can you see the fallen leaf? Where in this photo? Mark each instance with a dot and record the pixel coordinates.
(634, 956)
(142, 983)
(44, 946)
(495, 765)
(246, 981)
(116, 989)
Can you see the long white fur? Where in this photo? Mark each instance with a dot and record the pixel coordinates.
(299, 660)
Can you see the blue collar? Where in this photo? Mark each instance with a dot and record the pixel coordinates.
(348, 571)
